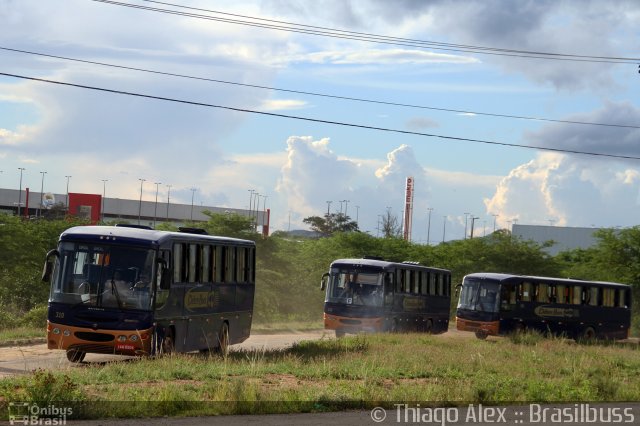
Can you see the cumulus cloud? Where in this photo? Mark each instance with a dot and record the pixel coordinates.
(314, 174)
(568, 192)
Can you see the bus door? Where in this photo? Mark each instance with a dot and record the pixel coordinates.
(198, 299)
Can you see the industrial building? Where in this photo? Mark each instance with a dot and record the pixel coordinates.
(564, 238)
(95, 208)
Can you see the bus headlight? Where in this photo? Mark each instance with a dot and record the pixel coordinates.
(122, 338)
(66, 333)
(133, 338)
(56, 331)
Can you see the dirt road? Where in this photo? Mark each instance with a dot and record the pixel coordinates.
(23, 359)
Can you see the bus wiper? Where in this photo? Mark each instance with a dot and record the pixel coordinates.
(114, 290)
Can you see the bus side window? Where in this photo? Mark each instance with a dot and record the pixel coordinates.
(561, 295)
(608, 297)
(241, 272)
(424, 284)
(206, 263)
(399, 281)
(178, 256)
(525, 292)
(440, 281)
(432, 283)
(594, 298)
(251, 278)
(575, 295)
(543, 294)
(193, 263)
(622, 298)
(407, 281)
(230, 267)
(388, 283)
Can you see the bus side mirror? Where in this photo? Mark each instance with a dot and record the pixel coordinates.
(48, 265)
(324, 281)
(458, 287)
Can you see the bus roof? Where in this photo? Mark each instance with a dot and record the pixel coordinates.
(508, 277)
(143, 237)
(384, 264)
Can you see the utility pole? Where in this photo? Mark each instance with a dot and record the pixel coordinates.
(155, 209)
(68, 177)
(168, 199)
(465, 224)
(39, 211)
(22, 169)
(473, 221)
(140, 204)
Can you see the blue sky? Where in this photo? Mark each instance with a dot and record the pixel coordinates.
(300, 165)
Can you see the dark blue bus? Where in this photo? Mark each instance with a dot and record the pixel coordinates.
(496, 304)
(374, 295)
(132, 291)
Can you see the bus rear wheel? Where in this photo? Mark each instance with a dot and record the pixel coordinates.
(340, 333)
(168, 345)
(223, 340)
(588, 334)
(75, 355)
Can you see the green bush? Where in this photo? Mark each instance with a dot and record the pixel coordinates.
(36, 317)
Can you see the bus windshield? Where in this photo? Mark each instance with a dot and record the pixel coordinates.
(104, 276)
(480, 295)
(355, 288)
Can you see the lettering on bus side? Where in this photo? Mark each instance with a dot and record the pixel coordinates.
(547, 311)
(195, 299)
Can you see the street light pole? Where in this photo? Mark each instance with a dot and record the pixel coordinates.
(430, 209)
(39, 211)
(67, 202)
(495, 217)
(155, 208)
(193, 194)
(473, 221)
(104, 194)
(168, 199)
(142, 181)
(444, 228)
(20, 190)
(465, 224)
(328, 208)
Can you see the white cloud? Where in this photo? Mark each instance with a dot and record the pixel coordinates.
(569, 192)
(282, 104)
(384, 56)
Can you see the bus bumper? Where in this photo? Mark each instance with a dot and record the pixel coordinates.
(115, 342)
(488, 328)
(353, 325)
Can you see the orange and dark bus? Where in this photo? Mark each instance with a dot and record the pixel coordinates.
(373, 295)
(494, 304)
(133, 291)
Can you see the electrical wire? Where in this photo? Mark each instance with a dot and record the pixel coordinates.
(373, 101)
(315, 120)
(351, 35)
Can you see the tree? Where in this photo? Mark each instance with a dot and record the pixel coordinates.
(228, 225)
(331, 223)
(390, 226)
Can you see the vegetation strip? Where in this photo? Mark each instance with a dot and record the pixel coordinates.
(361, 371)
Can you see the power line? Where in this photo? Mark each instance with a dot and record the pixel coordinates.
(353, 35)
(373, 101)
(426, 42)
(315, 120)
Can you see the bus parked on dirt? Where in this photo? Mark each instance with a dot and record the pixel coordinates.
(493, 304)
(133, 291)
(372, 295)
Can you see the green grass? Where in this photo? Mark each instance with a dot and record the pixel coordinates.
(289, 326)
(355, 372)
(21, 333)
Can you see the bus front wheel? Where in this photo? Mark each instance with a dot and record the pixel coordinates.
(75, 355)
(168, 345)
(482, 335)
